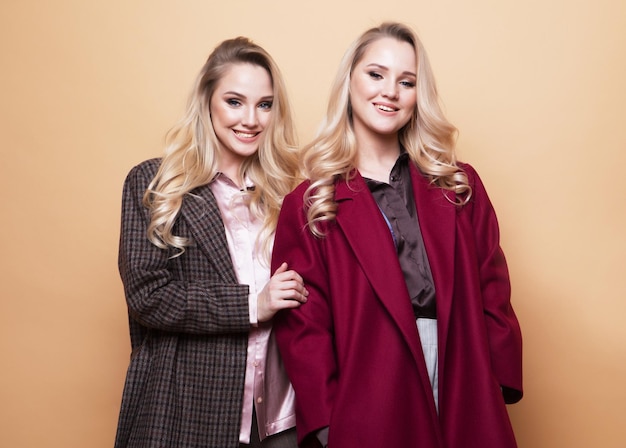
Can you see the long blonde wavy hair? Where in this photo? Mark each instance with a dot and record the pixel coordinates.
(428, 137)
(192, 150)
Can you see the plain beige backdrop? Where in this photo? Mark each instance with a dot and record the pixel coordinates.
(89, 88)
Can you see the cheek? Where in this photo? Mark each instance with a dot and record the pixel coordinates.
(361, 88)
(411, 100)
(264, 118)
(216, 115)
(223, 116)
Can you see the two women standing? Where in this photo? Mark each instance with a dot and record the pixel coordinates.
(391, 291)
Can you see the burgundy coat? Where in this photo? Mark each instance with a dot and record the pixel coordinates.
(353, 351)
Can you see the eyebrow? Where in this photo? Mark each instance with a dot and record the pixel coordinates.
(383, 67)
(241, 95)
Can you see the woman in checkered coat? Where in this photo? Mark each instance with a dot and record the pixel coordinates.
(197, 229)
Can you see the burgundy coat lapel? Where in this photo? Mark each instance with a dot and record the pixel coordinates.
(368, 235)
(202, 213)
(437, 219)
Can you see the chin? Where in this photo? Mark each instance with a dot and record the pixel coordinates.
(386, 130)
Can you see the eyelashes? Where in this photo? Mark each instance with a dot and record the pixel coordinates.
(234, 102)
(377, 76)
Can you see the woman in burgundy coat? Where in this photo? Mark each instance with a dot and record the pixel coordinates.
(408, 337)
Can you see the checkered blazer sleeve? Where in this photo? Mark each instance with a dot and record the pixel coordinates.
(183, 294)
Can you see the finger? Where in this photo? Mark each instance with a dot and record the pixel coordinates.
(282, 282)
(291, 302)
(299, 295)
(294, 294)
(282, 268)
(291, 291)
(292, 275)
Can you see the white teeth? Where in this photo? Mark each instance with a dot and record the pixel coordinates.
(244, 134)
(385, 108)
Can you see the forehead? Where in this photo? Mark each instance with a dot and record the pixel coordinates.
(245, 78)
(391, 53)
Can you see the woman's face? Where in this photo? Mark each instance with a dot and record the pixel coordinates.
(240, 109)
(382, 88)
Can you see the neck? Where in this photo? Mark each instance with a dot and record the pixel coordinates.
(231, 168)
(376, 157)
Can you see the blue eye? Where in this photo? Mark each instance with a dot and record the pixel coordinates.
(233, 102)
(265, 105)
(375, 75)
(407, 84)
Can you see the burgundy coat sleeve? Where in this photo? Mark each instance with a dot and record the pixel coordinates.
(307, 329)
(504, 335)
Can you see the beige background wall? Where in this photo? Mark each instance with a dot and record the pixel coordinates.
(88, 89)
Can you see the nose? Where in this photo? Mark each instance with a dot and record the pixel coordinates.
(390, 89)
(250, 118)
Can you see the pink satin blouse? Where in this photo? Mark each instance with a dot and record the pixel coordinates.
(267, 387)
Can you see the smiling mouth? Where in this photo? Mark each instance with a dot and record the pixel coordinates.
(385, 108)
(245, 134)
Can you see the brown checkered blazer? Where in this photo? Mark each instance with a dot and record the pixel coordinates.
(189, 324)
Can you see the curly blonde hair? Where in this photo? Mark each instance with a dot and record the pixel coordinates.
(428, 137)
(192, 150)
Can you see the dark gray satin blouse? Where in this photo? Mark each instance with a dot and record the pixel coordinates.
(396, 203)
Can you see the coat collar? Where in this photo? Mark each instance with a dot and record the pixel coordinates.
(367, 233)
(202, 213)
(437, 216)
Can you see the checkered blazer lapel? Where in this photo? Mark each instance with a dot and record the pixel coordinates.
(203, 216)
